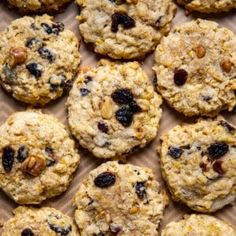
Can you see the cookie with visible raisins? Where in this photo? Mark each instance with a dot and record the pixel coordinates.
(39, 6)
(29, 221)
(124, 29)
(198, 163)
(113, 109)
(195, 67)
(201, 225)
(38, 59)
(119, 199)
(209, 6)
(37, 157)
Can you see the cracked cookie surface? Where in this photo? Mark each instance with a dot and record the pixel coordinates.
(113, 109)
(195, 67)
(37, 157)
(125, 29)
(38, 6)
(120, 199)
(38, 59)
(29, 221)
(201, 225)
(198, 163)
(208, 6)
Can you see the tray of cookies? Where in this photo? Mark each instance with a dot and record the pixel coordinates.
(118, 117)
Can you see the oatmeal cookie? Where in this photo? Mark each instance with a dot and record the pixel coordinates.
(119, 199)
(38, 158)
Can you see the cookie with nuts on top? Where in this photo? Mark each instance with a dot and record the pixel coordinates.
(113, 109)
(37, 157)
(38, 59)
(201, 225)
(198, 163)
(29, 221)
(125, 29)
(208, 6)
(119, 199)
(195, 67)
(38, 6)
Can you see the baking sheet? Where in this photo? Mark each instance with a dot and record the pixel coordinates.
(146, 157)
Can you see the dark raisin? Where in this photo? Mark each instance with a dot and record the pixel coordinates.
(122, 96)
(103, 127)
(217, 150)
(125, 116)
(203, 166)
(114, 229)
(27, 232)
(31, 42)
(84, 92)
(59, 230)
(57, 27)
(50, 152)
(134, 107)
(123, 19)
(34, 69)
(175, 152)
(9, 73)
(87, 79)
(8, 158)
(57, 81)
(140, 190)
(227, 126)
(22, 153)
(217, 167)
(105, 179)
(180, 77)
(47, 28)
(46, 54)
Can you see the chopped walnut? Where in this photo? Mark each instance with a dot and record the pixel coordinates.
(18, 55)
(200, 51)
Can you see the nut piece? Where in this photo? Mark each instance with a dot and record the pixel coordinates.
(18, 55)
(33, 166)
(226, 65)
(106, 110)
(200, 51)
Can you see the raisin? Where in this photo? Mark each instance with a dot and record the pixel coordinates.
(105, 179)
(125, 116)
(134, 107)
(175, 152)
(227, 126)
(57, 81)
(217, 167)
(140, 190)
(46, 54)
(123, 19)
(50, 152)
(34, 69)
(31, 42)
(47, 28)
(84, 92)
(59, 230)
(9, 73)
(217, 150)
(27, 232)
(8, 158)
(103, 127)
(54, 29)
(180, 77)
(87, 79)
(122, 96)
(22, 153)
(114, 229)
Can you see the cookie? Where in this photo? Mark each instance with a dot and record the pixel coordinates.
(37, 157)
(38, 59)
(38, 6)
(201, 225)
(119, 199)
(196, 66)
(125, 29)
(28, 221)
(198, 163)
(208, 6)
(113, 109)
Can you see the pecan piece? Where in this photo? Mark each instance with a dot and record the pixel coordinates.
(18, 55)
(33, 165)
